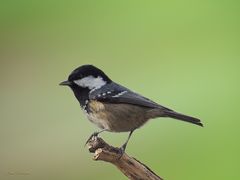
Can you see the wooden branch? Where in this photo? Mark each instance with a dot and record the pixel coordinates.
(129, 166)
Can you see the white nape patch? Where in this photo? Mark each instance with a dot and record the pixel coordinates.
(91, 82)
(120, 94)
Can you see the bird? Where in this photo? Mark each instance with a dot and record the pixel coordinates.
(113, 107)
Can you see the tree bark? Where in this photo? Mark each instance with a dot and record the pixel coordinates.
(129, 166)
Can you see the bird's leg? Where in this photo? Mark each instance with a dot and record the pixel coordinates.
(95, 134)
(123, 147)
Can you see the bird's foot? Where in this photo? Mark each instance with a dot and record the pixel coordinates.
(122, 150)
(95, 134)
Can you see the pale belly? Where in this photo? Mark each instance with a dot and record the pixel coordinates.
(99, 121)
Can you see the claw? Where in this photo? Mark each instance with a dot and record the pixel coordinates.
(122, 150)
(95, 134)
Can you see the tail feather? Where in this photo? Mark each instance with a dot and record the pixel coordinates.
(183, 117)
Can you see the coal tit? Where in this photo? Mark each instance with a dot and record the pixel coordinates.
(113, 107)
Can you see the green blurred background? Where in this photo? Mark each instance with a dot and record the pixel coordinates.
(182, 54)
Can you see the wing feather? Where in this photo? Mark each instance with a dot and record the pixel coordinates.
(115, 93)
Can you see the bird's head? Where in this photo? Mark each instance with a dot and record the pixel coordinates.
(87, 77)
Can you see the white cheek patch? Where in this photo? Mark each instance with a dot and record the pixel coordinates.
(91, 82)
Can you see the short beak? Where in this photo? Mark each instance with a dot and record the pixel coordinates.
(65, 83)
